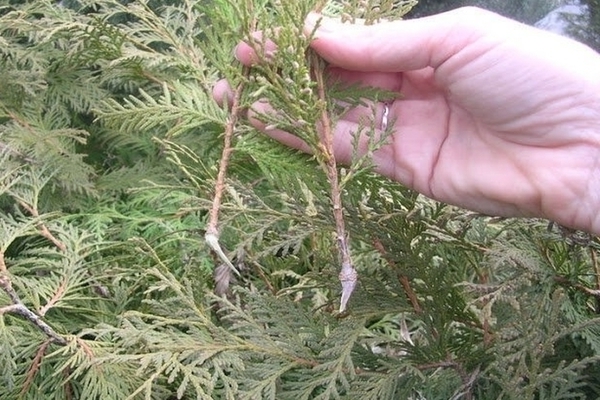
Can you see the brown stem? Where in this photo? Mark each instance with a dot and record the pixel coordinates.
(264, 277)
(212, 233)
(586, 290)
(6, 284)
(60, 291)
(487, 334)
(13, 308)
(404, 281)
(34, 367)
(32, 317)
(44, 231)
(68, 385)
(348, 275)
(213, 218)
(594, 258)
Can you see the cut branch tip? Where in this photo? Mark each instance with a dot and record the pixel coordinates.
(348, 277)
(213, 242)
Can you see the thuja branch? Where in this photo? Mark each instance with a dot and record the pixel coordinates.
(34, 367)
(17, 306)
(348, 275)
(45, 232)
(487, 330)
(4, 148)
(561, 280)
(212, 233)
(594, 258)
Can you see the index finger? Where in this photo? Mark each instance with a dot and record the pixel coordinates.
(395, 46)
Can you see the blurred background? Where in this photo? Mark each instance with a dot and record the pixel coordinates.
(579, 19)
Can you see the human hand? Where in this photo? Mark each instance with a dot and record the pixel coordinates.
(494, 116)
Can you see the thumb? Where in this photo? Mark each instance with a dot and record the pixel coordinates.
(394, 46)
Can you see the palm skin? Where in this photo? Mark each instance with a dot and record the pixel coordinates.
(494, 116)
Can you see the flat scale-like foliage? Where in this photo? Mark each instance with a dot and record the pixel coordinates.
(110, 144)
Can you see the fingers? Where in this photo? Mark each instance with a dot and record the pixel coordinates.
(222, 92)
(397, 45)
(364, 121)
(390, 46)
(246, 52)
(381, 80)
(368, 115)
(263, 108)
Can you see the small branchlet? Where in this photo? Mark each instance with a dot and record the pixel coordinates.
(17, 306)
(295, 85)
(348, 275)
(212, 232)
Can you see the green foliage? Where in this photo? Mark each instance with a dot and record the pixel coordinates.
(109, 146)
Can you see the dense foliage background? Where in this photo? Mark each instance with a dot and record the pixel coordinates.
(110, 144)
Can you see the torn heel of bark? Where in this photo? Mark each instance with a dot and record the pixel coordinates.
(348, 277)
(213, 242)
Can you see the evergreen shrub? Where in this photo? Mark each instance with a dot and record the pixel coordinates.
(154, 245)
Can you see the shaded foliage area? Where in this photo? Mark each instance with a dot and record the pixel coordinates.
(109, 147)
(527, 11)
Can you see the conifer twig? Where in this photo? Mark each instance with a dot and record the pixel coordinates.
(34, 367)
(17, 306)
(594, 258)
(44, 231)
(487, 330)
(468, 379)
(4, 148)
(581, 288)
(260, 272)
(212, 233)
(58, 294)
(348, 274)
